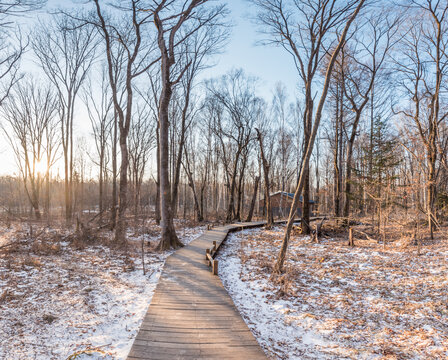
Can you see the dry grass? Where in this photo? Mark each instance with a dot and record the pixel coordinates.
(61, 295)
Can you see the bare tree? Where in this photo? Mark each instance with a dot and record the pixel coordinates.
(267, 185)
(12, 45)
(142, 140)
(234, 98)
(124, 38)
(175, 21)
(423, 68)
(303, 29)
(360, 67)
(29, 113)
(195, 50)
(100, 111)
(65, 52)
(151, 98)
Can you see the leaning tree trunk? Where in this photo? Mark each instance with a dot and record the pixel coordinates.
(278, 267)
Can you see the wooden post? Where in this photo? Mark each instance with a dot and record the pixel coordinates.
(350, 237)
(214, 246)
(215, 267)
(207, 253)
(143, 256)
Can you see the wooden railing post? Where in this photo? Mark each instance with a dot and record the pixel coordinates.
(350, 237)
(215, 267)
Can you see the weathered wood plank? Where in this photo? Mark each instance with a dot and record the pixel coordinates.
(191, 316)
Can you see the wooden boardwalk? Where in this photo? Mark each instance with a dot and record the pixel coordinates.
(191, 316)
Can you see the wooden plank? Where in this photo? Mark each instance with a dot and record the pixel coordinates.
(191, 316)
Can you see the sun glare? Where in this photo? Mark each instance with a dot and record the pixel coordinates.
(41, 167)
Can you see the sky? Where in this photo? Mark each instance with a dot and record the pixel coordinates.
(269, 64)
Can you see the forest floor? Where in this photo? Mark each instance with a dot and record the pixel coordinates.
(373, 301)
(59, 297)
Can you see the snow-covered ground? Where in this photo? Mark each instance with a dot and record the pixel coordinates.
(336, 302)
(70, 301)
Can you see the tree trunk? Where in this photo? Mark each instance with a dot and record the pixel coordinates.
(278, 268)
(348, 162)
(267, 199)
(348, 179)
(431, 193)
(157, 207)
(120, 230)
(231, 205)
(114, 174)
(169, 238)
(179, 153)
(100, 200)
(305, 223)
(337, 170)
(254, 200)
(240, 189)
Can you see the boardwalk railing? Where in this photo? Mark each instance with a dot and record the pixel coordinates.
(211, 253)
(210, 256)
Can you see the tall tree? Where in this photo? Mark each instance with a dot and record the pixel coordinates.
(65, 52)
(195, 50)
(304, 29)
(176, 22)
(423, 68)
(234, 95)
(29, 113)
(124, 36)
(12, 45)
(363, 62)
(100, 111)
(267, 184)
(142, 138)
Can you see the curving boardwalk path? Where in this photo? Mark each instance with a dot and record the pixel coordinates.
(191, 316)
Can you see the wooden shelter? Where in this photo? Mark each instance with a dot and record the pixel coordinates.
(281, 202)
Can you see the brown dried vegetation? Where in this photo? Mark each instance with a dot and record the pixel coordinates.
(379, 299)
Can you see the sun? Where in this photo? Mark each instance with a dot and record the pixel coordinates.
(41, 167)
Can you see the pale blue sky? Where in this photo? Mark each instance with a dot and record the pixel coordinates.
(269, 64)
